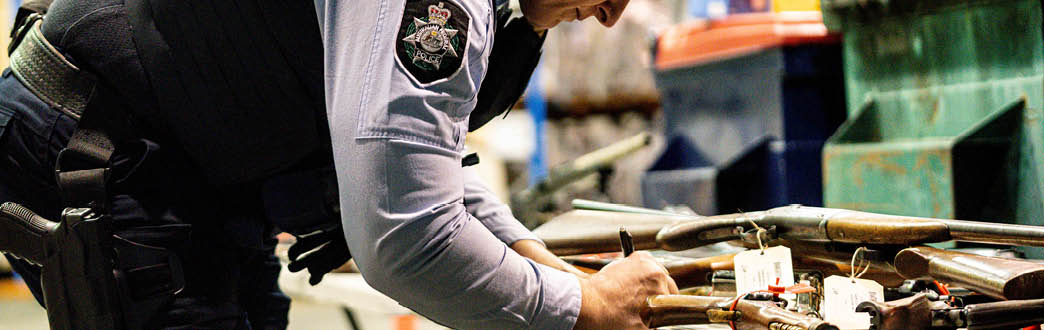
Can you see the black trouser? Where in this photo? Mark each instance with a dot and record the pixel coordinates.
(230, 269)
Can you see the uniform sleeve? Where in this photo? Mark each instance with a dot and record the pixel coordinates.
(397, 124)
(494, 214)
(414, 240)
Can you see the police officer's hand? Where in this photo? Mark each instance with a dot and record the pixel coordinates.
(614, 296)
(545, 14)
(320, 251)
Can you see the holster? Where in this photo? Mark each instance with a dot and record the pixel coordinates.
(91, 278)
(94, 276)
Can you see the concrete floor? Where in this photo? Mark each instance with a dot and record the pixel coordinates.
(18, 311)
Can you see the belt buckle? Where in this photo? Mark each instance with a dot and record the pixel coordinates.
(19, 33)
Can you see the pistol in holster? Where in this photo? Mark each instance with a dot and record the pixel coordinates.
(91, 277)
(95, 275)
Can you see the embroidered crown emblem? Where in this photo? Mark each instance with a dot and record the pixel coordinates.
(438, 15)
(432, 39)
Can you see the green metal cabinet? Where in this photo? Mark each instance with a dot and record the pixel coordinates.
(944, 101)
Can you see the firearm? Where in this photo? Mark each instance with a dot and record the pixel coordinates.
(589, 232)
(796, 222)
(525, 203)
(692, 272)
(72, 257)
(585, 231)
(753, 311)
(583, 204)
(920, 312)
(1000, 278)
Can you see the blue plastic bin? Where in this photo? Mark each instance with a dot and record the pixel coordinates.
(757, 108)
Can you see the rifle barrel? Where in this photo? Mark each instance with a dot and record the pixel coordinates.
(583, 204)
(995, 233)
(1012, 314)
(523, 202)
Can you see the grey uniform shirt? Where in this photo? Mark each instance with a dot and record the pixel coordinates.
(401, 79)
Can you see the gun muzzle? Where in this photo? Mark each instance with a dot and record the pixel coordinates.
(25, 234)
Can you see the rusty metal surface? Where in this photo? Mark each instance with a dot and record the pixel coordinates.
(941, 74)
(996, 277)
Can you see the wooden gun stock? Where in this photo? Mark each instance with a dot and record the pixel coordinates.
(996, 277)
(668, 310)
(920, 313)
(911, 313)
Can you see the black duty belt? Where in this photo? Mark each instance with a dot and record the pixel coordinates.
(51, 77)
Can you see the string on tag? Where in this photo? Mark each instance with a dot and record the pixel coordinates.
(855, 255)
(757, 235)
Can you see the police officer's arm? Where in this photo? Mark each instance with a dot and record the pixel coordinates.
(484, 205)
(402, 186)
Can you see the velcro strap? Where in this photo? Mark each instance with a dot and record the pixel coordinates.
(85, 187)
(52, 78)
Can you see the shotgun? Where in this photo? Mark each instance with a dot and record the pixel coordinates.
(692, 272)
(796, 222)
(1000, 278)
(921, 313)
(753, 311)
(586, 231)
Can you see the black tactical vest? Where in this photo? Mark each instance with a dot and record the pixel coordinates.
(236, 84)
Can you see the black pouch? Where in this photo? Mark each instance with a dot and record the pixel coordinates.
(148, 270)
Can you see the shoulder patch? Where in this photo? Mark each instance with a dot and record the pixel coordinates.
(432, 39)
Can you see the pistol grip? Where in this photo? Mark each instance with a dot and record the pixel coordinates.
(24, 234)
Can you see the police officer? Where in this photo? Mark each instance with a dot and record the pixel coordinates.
(210, 122)
(401, 83)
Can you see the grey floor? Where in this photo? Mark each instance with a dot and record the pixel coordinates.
(22, 314)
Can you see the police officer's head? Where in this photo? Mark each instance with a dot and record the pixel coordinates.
(545, 14)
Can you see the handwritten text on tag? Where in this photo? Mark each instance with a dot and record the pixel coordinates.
(756, 271)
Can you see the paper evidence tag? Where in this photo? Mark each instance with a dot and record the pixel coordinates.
(843, 295)
(756, 271)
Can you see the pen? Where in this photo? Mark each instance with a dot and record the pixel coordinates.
(626, 242)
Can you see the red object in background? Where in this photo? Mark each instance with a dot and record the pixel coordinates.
(737, 35)
(1032, 327)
